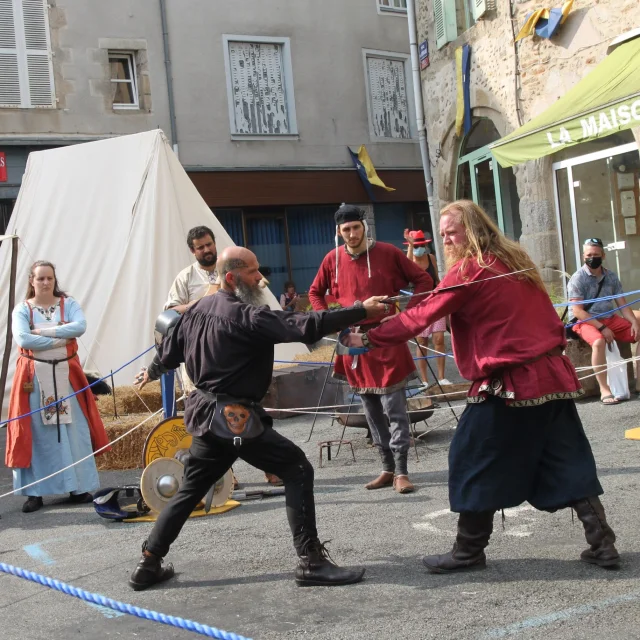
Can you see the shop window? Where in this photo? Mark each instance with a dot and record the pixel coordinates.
(453, 17)
(480, 178)
(598, 196)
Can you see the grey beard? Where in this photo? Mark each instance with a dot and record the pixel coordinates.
(250, 295)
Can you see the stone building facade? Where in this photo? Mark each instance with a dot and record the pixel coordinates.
(511, 83)
(212, 78)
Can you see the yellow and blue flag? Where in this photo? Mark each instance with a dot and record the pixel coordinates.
(367, 171)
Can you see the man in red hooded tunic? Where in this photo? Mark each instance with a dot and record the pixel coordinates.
(358, 270)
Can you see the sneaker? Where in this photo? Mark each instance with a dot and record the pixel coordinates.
(444, 382)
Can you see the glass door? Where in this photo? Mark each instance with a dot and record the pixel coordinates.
(597, 196)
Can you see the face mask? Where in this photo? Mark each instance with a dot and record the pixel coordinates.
(594, 263)
(419, 251)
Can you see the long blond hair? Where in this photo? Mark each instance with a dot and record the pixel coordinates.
(483, 236)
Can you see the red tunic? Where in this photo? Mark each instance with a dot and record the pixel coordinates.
(500, 331)
(385, 370)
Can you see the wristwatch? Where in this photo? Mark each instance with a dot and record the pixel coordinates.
(602, 327)
(365, 341)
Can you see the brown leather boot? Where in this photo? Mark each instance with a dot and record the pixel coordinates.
(385, 479)
(149, 571)
(402, 484)
(474, 531)
(597, 532)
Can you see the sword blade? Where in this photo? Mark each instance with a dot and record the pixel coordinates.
(454, 286)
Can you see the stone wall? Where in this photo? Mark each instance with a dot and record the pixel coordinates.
(510, 84)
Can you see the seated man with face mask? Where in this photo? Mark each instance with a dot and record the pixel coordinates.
(591, 281)
(227, 343)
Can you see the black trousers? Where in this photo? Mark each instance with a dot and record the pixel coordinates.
(502, 456)
(211, 457)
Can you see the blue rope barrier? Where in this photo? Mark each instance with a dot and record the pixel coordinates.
(571, 303)
(53, 404)
(96, 598)
(592, 300)
(604, 313)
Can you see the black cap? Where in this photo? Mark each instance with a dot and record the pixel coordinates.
(348, 213)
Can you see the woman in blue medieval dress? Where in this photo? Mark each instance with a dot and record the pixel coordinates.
(46, 326)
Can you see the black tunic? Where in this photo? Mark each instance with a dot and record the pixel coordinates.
(228, 347)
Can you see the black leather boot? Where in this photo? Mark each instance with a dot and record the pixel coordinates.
(474, 531)
(316, 569)
(597, 532)
(149, 571)
(32, 504)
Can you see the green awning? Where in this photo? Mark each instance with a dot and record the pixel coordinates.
(605, 101)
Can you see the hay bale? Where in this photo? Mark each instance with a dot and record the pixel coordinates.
(126, 453)
(131, 401)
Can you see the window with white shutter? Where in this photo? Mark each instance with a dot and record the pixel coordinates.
(26, 72)
(389, 95)
(260, 86)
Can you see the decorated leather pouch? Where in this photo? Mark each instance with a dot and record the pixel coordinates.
(234, 419)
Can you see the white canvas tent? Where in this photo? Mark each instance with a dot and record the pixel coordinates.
(113, 216)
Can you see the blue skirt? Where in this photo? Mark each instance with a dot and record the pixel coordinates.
(48, 455)
(503, 456)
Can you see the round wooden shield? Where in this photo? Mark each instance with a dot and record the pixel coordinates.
(166, 440)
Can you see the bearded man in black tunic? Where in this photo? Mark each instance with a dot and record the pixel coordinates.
(227, 343)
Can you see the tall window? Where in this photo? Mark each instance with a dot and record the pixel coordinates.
(260, 86)
(389, 95)
(392, 6)
(26, 72)
(124, 83)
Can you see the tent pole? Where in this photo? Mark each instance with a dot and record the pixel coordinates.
(12, 303)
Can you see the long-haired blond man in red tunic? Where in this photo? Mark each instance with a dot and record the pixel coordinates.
(520, 437)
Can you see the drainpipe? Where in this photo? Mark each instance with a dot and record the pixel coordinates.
(167, 66)
(422, 131)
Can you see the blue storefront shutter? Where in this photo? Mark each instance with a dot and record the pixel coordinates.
(231, 220)
(311, 236)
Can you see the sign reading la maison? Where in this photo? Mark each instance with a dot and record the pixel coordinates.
(601, 123)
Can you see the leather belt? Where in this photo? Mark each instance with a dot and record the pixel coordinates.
(53, 362)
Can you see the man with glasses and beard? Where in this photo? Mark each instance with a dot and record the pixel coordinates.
(227, 343)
